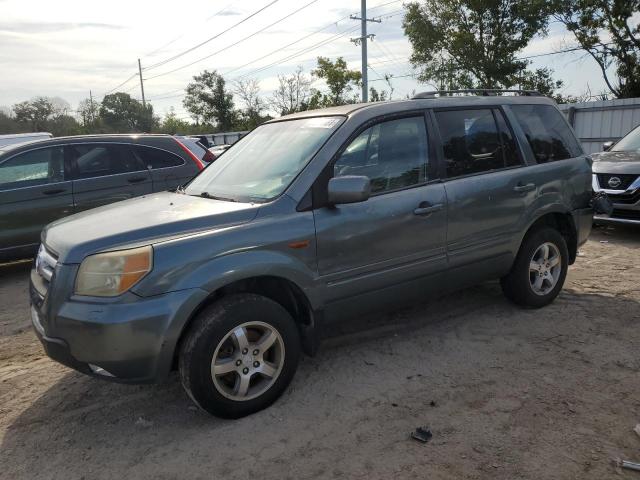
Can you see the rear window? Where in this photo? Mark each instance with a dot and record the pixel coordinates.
(156, 158)
(547, 131)
(476, 141)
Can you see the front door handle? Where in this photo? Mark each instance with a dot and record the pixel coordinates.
(426, 209)
(520, 188)
(53, 191)
(136, 179)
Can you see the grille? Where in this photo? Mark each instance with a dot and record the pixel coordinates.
(45, 265)
(625, 198)
(626, 214)
(625, 180)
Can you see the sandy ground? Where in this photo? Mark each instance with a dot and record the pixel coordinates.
(508, 394)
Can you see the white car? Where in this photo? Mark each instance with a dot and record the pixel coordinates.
(12, 138)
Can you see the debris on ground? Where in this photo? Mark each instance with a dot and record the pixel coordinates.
(143, 422)
(627, 464)
(422, 434)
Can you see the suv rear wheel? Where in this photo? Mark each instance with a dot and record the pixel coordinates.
(239, 356)
(540, 269)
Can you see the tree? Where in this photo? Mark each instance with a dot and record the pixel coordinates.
(88, 111)
(375, 96)
(34, 112)
(208, 100)
(609, 31)
(340, 81)
(473, 43)
(292, 94)
(249, 93)
(172, 125)
(122, 113)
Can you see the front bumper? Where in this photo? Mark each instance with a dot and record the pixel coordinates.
(128, 339)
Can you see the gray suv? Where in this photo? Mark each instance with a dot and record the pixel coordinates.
(308, 220)
(45, 180)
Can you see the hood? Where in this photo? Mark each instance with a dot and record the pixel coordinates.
(616, 162)
(141, 221)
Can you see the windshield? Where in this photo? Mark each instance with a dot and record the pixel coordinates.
(629, 143)
(263, 164)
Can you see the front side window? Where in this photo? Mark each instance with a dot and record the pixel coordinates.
(547, 131)
(261, 165)
(156, 158)
(392, 154)
(101, 159)
(36, 167)
(473, 142)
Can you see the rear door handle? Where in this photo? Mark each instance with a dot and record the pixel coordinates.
(520, 188)
(53, 191)
(136, 179)
(426, 209)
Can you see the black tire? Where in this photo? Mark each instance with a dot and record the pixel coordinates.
(210, 328)
(517, 285)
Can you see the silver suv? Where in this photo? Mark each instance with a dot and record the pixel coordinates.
(308, 220)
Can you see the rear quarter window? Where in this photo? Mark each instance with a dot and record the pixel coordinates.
(547, 132)
(156, 158)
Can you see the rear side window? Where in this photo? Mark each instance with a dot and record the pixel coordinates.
(156, 158)
(36, 167)
(548, 134)
(476, 141)
(101, 159)
(392, 154)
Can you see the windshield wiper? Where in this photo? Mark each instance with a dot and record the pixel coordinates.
(213, 197)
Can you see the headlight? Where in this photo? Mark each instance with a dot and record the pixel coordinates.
(113, 273)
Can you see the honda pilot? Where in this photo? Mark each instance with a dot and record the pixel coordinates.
(309, 220)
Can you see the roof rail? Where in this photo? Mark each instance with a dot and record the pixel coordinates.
(483, 92)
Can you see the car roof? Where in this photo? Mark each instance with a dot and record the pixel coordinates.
(45, 142)
(374, 109)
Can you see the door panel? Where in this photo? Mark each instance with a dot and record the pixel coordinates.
(395, 238)
(106, 173)
(33, 192)
(381, 242)
(488, 200)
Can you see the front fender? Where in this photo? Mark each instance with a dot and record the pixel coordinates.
(213, 274)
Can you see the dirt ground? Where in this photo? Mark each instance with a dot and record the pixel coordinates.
(508, 394)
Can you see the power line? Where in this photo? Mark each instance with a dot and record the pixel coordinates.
(183, 35)
(300, 52)
(235, 43)
(170, 59)
(123, 83)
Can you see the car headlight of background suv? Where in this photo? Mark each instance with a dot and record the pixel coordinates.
(112, 273)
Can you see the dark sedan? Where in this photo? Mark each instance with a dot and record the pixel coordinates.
(45, 180)
(617, 172)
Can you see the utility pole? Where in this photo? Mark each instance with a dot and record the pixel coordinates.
(91, 106)
(144, 103)
(362, 40)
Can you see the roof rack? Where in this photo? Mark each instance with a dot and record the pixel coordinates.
(483, 92)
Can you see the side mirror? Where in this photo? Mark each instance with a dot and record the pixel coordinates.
(349, 189)
(606, 146)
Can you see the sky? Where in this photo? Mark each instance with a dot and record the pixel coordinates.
(68, 47)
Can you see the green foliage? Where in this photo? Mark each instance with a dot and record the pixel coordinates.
(340, 83)
(609, 30)
(34, 112)
(120, 113)
(473, 43)
(172, 125)
(209, 101)
(375, 96)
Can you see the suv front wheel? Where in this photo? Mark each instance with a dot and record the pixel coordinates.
(540, 269)
(240, 355)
